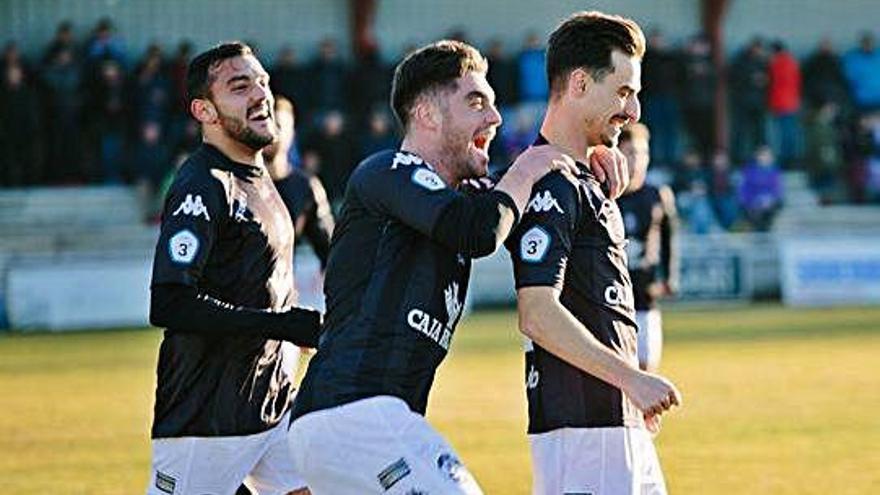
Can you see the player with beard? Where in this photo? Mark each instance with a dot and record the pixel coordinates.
(588, 400)
(397, 280)
(651, 223)
(222, 287)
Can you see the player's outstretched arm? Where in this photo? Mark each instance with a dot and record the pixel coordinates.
(181, 308)
(477, 225)
(548, 323)
(529, 167)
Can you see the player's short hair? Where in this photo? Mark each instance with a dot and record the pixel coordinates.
(585, 40)
(199, 73)
(632, 131)
(429, 68)
(282, 104)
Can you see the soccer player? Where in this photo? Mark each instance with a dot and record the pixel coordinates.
(587, 397)
(397, 281)
(223, 288)
(303, 195)
(651, 224)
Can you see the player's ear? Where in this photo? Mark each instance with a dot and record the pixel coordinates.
(203, 110)
(578, 81)
(426, 112)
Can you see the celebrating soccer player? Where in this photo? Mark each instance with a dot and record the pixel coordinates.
(223, 288)
(588, 400)
(397, 280)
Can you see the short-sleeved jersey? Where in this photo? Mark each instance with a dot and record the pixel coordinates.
(647, 226)
(225, 232)
(571, 237)
(394, 295)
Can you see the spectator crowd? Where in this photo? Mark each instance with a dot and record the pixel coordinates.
(87, 112)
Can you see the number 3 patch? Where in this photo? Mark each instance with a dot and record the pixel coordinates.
(183, 246)
(533, 245)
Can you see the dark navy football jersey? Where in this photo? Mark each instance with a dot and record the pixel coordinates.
(571, 237)
(394, 294)
(225, 232)
(310, 210)
(650, 221)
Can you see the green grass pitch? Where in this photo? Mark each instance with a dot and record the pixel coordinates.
(777, 401)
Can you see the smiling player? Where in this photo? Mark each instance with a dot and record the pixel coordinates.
(223, 289)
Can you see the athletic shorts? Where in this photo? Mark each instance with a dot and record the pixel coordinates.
(219, 465)
(595, 461)
(650, 337)
(376, 446)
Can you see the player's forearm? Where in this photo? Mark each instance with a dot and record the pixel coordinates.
(517, 183)
(554, 328)
(477, 225)
(181, 308)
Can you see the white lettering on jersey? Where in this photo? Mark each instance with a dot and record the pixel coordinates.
(183, 247)
(405, 159)
(533, 245)
(429, 326)
(543, 201)
(533, 378)
(192, 206)
(428, 179)
(616, 294)
(453, 305)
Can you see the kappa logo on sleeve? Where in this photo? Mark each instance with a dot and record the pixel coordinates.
(183, 247)
(543, 201)
(401, 158)
(533, 245)
(192, 206)
(428, 179)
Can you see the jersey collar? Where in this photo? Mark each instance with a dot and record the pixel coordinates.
(223, 162)
(541, 140)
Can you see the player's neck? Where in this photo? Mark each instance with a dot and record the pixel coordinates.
(278, 167)
(560, 130)
(433, 154)
(234, 150)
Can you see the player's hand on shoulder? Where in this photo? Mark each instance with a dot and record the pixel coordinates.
(651, 393)
(540, 160)
(610, 167)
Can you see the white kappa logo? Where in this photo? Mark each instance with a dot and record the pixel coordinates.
(405, 159)
(192, 206)
(543, 201)
(428, 179)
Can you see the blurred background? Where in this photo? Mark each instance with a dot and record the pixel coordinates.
(764, 119)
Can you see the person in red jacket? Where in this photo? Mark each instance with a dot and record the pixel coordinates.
(784, 102)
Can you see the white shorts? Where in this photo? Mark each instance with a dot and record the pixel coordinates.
(596, 461)
(650, 336)
(376, 445)
(219, 465)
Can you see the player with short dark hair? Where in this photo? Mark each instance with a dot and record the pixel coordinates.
(586, 394)
(651, 223)
(397, 280)
(222, 287)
